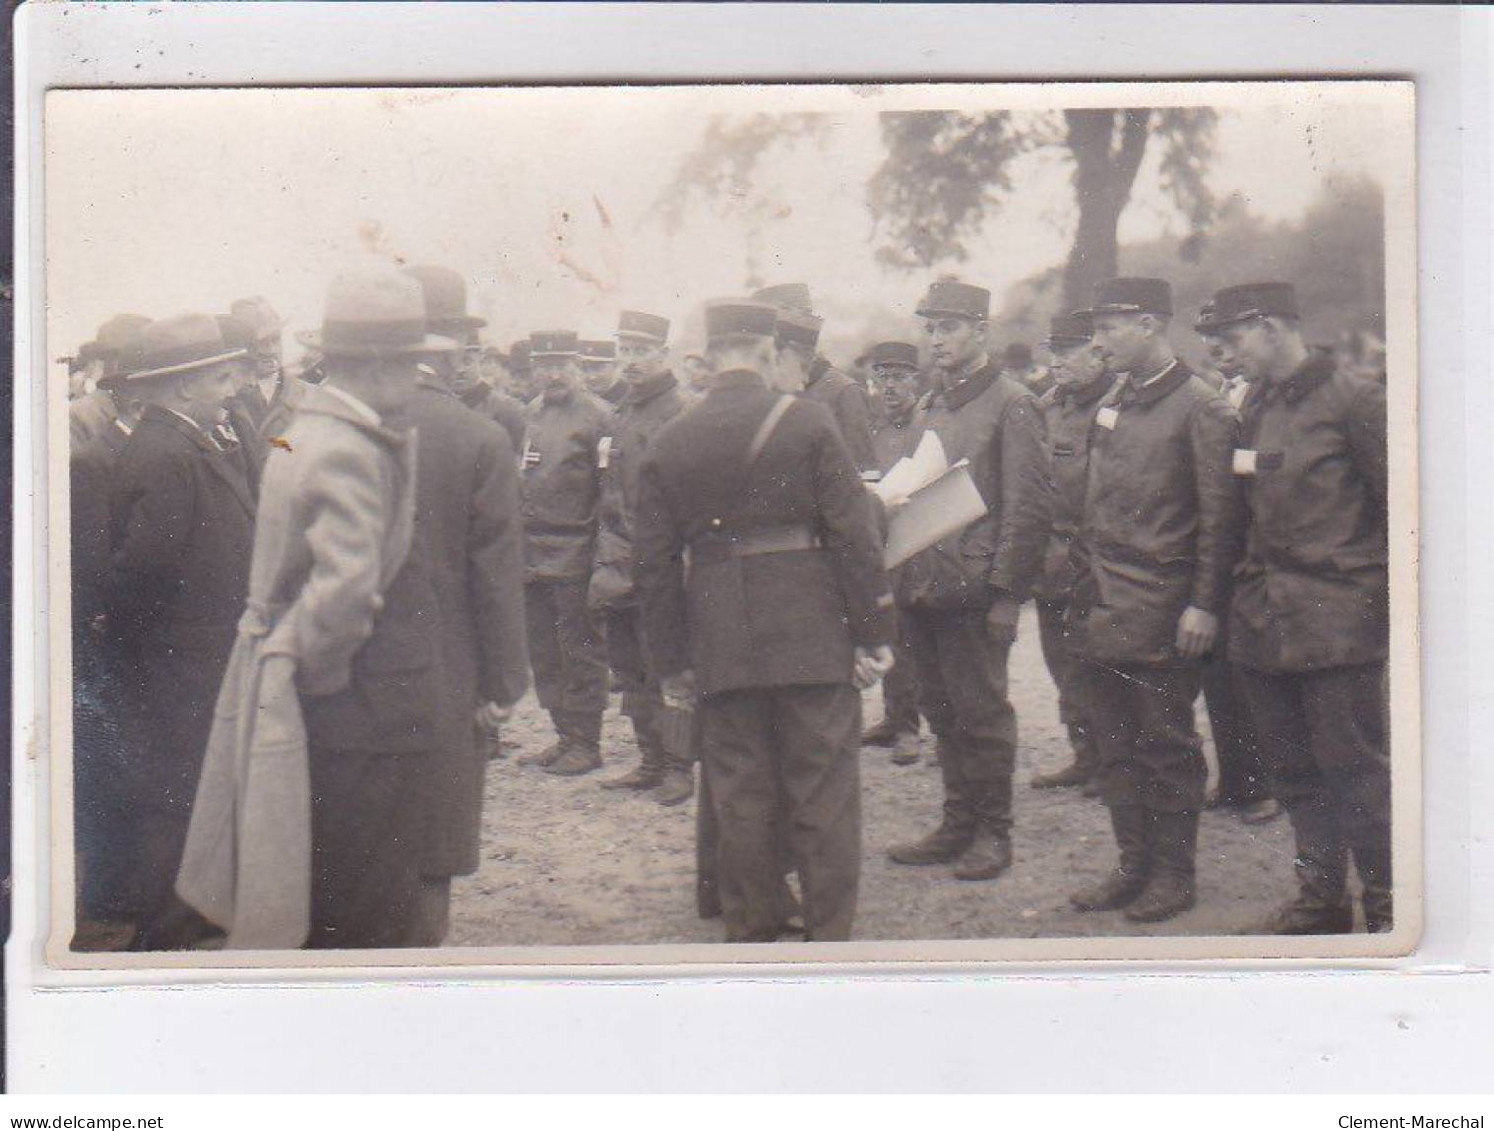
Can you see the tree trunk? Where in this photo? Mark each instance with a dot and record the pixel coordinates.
(1107, 147)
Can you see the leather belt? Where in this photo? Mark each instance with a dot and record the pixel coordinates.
(753, 543)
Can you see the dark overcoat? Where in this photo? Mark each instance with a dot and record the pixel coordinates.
(1069, 413)
(498, 406)
(849, 405)
(1312, 591)
(769, 619)
(467, 516)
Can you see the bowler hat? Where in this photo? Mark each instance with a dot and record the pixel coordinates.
(893, 353)
(553, 343)
(786, 296)
(798, 329)
(1249, 300)
(374, 311)
(733, 318)
(113, 343)
(179, 345)
(445, 300)
(950, 296)
(598, 351)
(259, 316)
(1132, 296)
(636, 324)
(1068, 330)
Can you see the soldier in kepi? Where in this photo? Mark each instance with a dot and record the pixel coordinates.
(1309, 618)
(1158, 538)
(561, 486)
(1069, 407)
(783, 611)
(895, 380)
(599, 372)
(960, 597)
(653, 399)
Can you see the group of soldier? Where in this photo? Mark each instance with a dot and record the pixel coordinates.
(305, 605)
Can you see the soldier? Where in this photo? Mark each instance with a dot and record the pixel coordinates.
(961, 596)
(561, 486)
(895, 377)
(599, 372)
(1069, 408)
(491, 396)
(653, 400)
(697, 368)
(1309, 618)
(1158, 539)
(784, 604)
(1018, 364)
(799, 334)
(181, 532)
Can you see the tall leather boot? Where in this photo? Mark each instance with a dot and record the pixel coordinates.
(956, 830)
(1321, 906)
(1127, 881)
(990, 851)
(1170, 890)
(582, 744)
(651, 756)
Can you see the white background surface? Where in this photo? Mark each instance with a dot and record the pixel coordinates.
(1426, 1025)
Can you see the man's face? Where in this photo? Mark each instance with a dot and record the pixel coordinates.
(897, 385)
(244, 372)
(599, 376)
(954, 342)
(268, 358)
(1247, 349)
(1220, 356)
(200, 395)
(1077, 364)
(698, 372)
(466, 369)
(793, 368)
(556, 372)
(641, 358)
(1125, 340)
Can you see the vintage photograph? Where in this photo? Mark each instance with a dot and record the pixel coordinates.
(696, 524)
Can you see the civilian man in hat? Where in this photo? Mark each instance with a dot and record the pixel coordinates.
(1080, 382)
(243, 412)
(306, 827)
(599, 372)
(561, 486)
(467, 516)
(653, 400)
(265, 329)
(798, 337)
(1309, 617)
(785, 603)
(1158, 538)
(961, 596)
(895, 380)
(181, 532)
(90, 408)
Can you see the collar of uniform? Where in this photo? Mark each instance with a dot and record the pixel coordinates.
(738, 379)
(649, 388)
(969, 386)
(817, 369)
(1084, 394)
(1310, 374)
(1162, 384)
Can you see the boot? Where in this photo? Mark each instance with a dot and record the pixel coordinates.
(1170, 890)
(1125, 883)
(1321, 906)
(884, 733)
(676, 787)
(640, 777)
(1071, 775)
(1310, 914)
(905, 749)
(989, 855)
(576, 759)
(542, 757)
(944, 845)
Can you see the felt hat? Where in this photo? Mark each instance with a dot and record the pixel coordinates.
(257, 313)
(180, 344)
(374, 311)
(445, 300)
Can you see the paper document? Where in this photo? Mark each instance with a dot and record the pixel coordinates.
(941, 508)
(913, 473)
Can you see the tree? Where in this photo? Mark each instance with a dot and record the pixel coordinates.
(946, 173)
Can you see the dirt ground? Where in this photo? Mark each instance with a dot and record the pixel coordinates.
(564, 862)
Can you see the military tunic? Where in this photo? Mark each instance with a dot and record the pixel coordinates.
(849, 405)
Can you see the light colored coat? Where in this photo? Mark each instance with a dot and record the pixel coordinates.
(335, 520)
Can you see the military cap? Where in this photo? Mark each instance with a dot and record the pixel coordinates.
(893, 353)
(1250, 300)
(1068, 330)
(179, 345)
(1018, 355)
(445, 300)
(553, 343)
(1132, 296)
(598, 351)
(787, 296)
(797, 329)
(257, 313)
(636, 324)
(374, 311)
(950, 296)
(518, 354)
(732, 318)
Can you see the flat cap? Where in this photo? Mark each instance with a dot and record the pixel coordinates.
(553, 343)
(787, 296)
(731, 318)
(893, 353)
(1247, 301)
(952, 297)
(1128, 295)
(637, 324)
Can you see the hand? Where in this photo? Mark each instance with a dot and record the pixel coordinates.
(679, 690)
(870, 665)
(1001, 621)
(1197, 631)
(490, 717)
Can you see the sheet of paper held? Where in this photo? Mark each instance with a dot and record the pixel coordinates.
(938, 509)
(915, 472)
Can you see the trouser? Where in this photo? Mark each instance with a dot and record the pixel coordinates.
(1242, 767)
(1150, 752)
(568, 656)
(432, 919)
(1064, 666)
(642, 701)
(782, 762)
(106, 805)
(365, 848)
(1326, 737)
(166, 922)
(900, 687)
(963, 692)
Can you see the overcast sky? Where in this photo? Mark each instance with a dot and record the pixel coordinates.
(161, 202)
